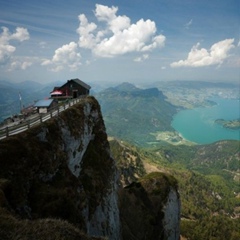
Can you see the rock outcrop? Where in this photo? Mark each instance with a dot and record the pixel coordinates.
(150, 208)
(61, 174)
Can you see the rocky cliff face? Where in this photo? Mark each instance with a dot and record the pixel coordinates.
(150, 208)
(63, 169)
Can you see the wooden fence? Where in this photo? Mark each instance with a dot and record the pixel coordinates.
(36, 119)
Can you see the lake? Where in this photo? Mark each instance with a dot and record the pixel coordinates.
(197, 125)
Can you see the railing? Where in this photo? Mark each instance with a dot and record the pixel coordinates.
(36, 119)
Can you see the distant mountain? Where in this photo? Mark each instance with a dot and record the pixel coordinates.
(193, 84)
(22, 85)
(9, 102)
(134, 114)
(127, 87)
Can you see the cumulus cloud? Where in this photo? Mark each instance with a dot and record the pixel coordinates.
(111, 36)
(108, 15)
(199, 57)
(66, 56)
(7, 49)
(118, 36)
(87, 38)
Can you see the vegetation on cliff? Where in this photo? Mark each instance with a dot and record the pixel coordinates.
(209, 190)
(142, 207)
(12, 228)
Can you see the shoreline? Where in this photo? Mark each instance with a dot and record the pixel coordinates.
(172, 137)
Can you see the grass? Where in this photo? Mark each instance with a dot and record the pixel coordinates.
(41, 229)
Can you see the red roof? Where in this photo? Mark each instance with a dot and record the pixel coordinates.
(56, 92)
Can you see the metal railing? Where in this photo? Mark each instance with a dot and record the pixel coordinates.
(36, 119)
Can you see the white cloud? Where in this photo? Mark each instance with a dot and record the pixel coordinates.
(108, 15)
(6, 49)
(142, 58)
(202, 57)
(105, 13)
(119, 36)
(114, 35)
(21, 34)
(86, 37)
(16, 64)
(66, 56)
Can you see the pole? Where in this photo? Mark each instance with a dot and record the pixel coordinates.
(20, 99)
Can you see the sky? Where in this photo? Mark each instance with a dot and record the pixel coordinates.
(119, 40)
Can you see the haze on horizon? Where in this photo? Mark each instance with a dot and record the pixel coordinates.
(119, 41)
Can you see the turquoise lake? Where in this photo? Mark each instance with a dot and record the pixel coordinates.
(197, 125)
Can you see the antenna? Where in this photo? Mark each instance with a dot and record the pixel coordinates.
(20, 99)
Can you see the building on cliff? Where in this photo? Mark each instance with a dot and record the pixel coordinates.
(73, 88)
(44, 105)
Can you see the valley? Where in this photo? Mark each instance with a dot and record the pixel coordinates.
(207, 174)
(145, 116)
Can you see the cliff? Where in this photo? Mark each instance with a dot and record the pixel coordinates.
(150, 208)
(59, 180)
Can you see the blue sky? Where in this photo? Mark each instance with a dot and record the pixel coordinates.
(122, 40)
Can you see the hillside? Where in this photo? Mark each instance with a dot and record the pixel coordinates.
(135, 114)
(209, 194)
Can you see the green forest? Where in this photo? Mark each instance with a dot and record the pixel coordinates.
(210, 205)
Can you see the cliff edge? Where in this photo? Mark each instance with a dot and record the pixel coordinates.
(59, 180)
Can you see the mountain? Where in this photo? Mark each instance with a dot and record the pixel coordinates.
(194, 84)
(10, 98)
(27, 85)
(135, 114)
(58, 180)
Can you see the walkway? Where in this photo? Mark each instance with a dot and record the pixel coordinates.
(36, 119)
